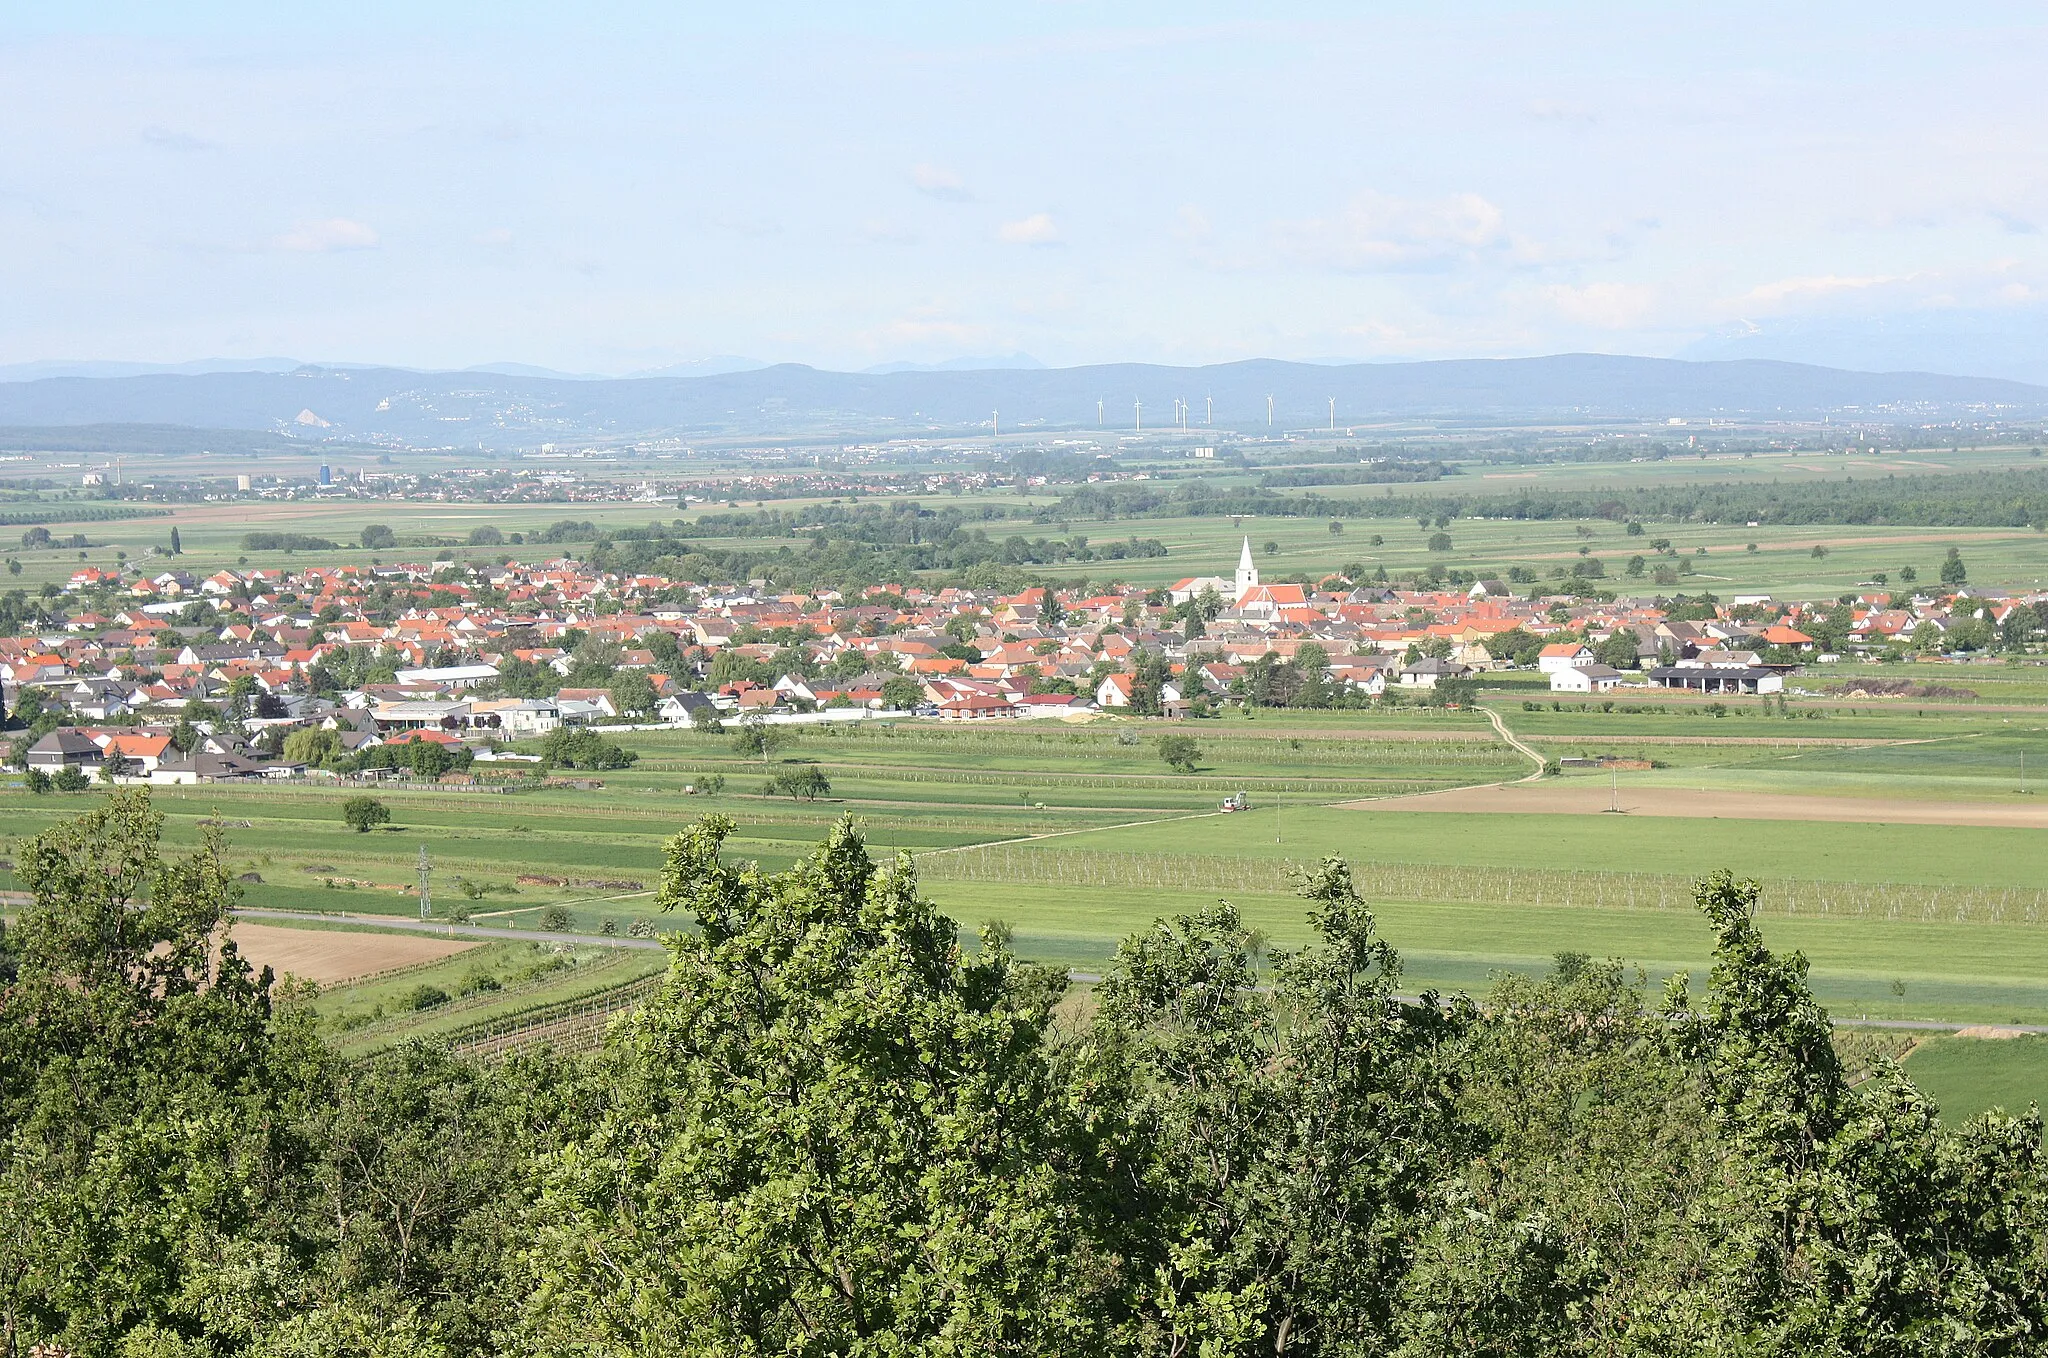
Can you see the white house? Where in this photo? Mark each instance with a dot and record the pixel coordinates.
(1594, 678)
(1564, 655)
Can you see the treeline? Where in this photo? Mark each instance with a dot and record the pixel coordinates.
(74, 512)
(2009, 499)
(837, 1130)
(1370, 474)
(285, 542)
(851, 546)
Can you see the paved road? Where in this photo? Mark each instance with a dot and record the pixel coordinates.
(445, 929)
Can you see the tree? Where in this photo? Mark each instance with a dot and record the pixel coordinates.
(312, 746)
(758, 740)
(901, 693)
(146, 1088)
(177, 543)
(632, 692)
(428, 759)
(1952, 570)
(117, 766)
(1289, 1139)
(36, 781)
(1439, 542)
(576, 747)
(362, 814)
(909, 1188)
(1181, 753)
(485, 535)
(808, 782)
(377, 537)
(70, 778)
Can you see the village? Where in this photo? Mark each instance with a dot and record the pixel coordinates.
(433, 671)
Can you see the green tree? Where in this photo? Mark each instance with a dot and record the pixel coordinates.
(70, 778)
(807, 782)
(906, 1189)
(1181, 753)
(1289, 1161)
(36, 781)
(312, 746)
(901, 693)
(1953, 572)
(146, 1088)
(759, 740)
(377, 537)
(364, 813)
(177, 543)
(632, 693)
(428, 759)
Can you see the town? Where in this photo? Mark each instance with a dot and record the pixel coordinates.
(434, 671)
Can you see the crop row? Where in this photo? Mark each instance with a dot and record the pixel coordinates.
(1502, 886)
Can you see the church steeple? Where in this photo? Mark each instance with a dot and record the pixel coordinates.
(1247, 573)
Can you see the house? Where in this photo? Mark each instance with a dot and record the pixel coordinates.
(66, 748)
(517, 717)
(1114, 690)
(1593, 678)
(1428, 671)
(1562, 655)
(976, 707)
(1052, 705)
(686, 709)
(141, 752)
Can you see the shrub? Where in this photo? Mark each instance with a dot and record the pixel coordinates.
(554, 919)
(424, 996)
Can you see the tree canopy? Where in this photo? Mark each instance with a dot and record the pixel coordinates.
(843, 1126)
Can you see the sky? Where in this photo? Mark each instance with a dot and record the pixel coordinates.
(607, 188)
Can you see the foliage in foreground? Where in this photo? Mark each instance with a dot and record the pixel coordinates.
(838, 1130)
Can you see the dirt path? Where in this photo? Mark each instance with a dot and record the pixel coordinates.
(1501, 729)
(1574, 797)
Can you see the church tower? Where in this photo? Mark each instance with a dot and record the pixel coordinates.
(1247, 573)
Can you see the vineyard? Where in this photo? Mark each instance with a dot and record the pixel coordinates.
(1426, 882)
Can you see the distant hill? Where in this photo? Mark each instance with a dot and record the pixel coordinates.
(501, 409)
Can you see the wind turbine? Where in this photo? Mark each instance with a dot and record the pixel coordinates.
(1141, 413)
(1098, 414)
(1210, 402)
(995, 421)
(1333, 414)
(1269, 412)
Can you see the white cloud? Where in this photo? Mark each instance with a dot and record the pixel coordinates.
(1817, 285)
(1610, 306)
(1037, 229)
(936, 181)
(1377, 233)
(325, 235)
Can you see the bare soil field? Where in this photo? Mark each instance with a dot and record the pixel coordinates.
(1575, 797)
(332, 956)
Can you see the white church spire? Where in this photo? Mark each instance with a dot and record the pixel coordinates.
(1247, 573)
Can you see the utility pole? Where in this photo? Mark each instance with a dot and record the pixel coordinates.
(426, 885)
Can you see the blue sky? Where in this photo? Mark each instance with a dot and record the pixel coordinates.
(607, 188)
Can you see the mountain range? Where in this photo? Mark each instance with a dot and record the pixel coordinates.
(510, 407)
